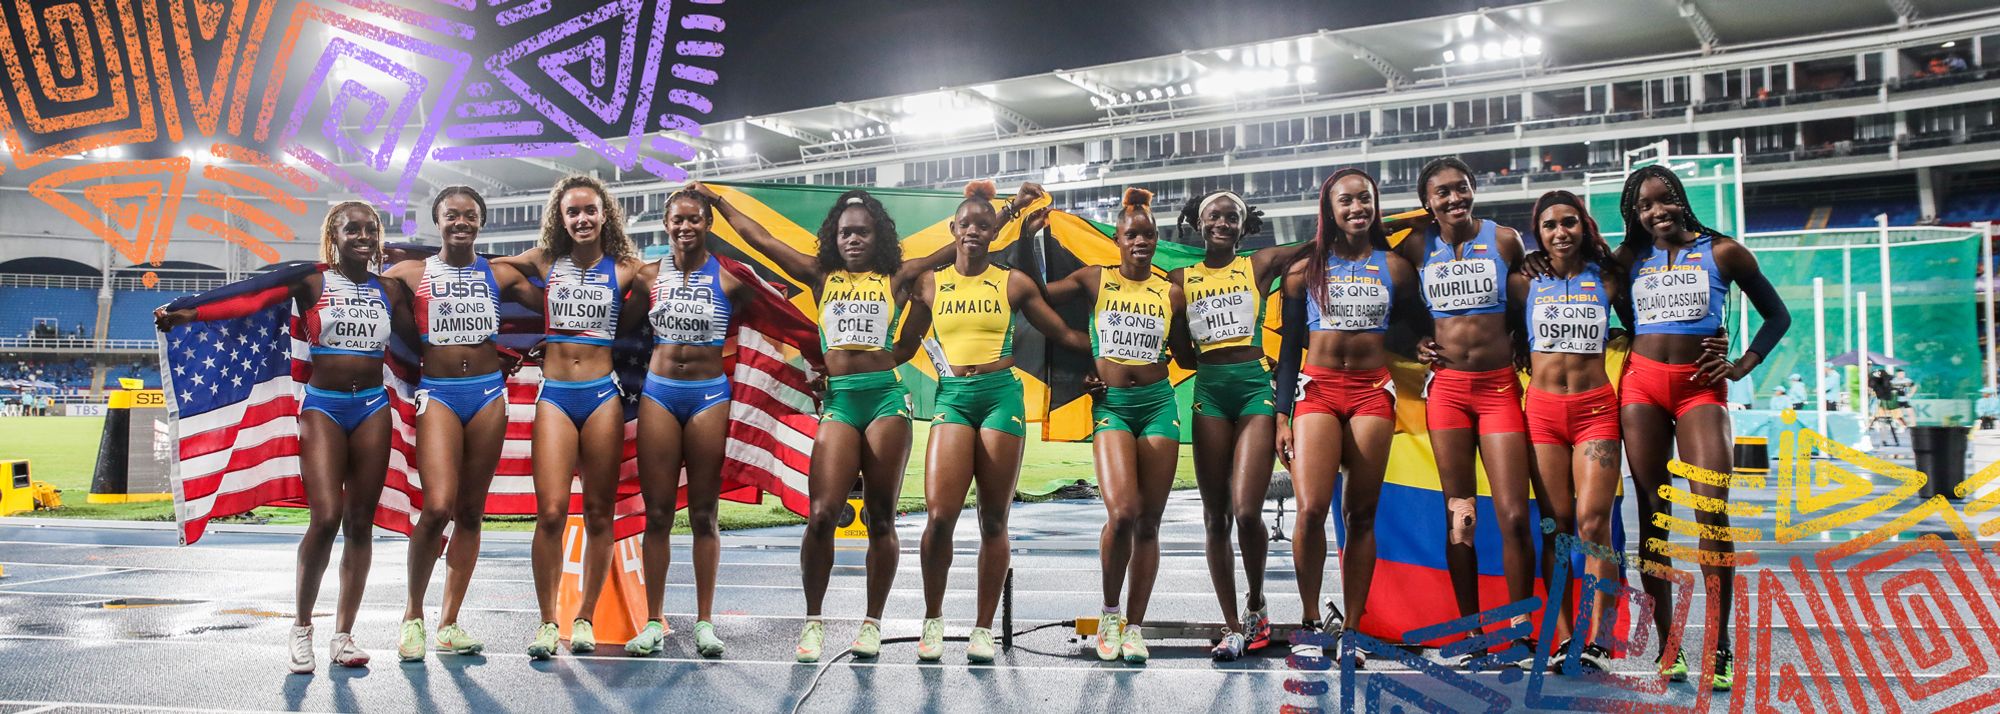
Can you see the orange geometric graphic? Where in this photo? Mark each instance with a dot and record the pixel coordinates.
(65, 46)
(128, 209)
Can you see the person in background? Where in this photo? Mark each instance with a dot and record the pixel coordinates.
(1795, 387)
(1903, 387)
(1834, 389)
(1885, 399)
(1987, 408)
(1781, 401)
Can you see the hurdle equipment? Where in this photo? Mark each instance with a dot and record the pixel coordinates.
(621, 606)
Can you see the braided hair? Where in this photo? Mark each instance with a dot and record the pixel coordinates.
(1628, 206)
(1189, 221)
(1592, 249)
(329, 253)
(885, 252)
(1323, 236)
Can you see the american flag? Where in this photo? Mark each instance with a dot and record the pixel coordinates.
(234, 386)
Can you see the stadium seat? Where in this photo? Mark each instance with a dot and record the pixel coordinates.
(132, 313)
(21, 306)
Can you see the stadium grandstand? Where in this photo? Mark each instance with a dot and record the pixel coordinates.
(1841, 111)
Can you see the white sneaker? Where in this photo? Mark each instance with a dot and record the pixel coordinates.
(344, 652)
(302, 649)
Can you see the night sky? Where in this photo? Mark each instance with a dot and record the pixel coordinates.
(783, 54)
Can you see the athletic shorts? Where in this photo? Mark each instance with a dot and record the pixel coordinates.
(983, 401)
(464, 396)
(578, 400)
(1572, 419)
(1232, 391)
(1490, 400)
(1346, 393)
(1148, 410)
(1666, 386)
(685, 399)
(347, 409)
(857, 400)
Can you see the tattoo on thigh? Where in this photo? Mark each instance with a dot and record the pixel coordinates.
(1603, 453)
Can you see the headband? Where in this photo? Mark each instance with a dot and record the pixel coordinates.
(856, 201)
(1554, 198)
(1231, 195)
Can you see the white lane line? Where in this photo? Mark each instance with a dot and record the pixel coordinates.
(4, 584)
(46, 706)
(850, 663)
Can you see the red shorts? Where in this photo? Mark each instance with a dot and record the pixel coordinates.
(1457, 399)
(1571, 419)
(1666, 386)
(1348, 393)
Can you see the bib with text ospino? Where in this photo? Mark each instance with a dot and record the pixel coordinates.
(1576, 328)
(1354, 304)
(580, 307)
(1679, 295)
(1452, 285)
(1223, 316)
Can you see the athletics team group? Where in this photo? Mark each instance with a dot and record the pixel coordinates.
(1462, 290)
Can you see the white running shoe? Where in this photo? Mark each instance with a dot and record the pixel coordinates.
(344, 652)
(302, 649)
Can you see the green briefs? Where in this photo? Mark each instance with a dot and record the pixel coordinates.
(857, 400)
(983, 401)
(1145, 411)
(1232, 391)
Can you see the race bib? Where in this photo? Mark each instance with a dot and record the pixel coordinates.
(1569, 328)
(1223, 317)
(467, 321)
(1454, 285)
(848, 323)
(687, 315)
(1130, 336)
(1671, 296)
(1355, 306)
(360, 325)
(581, 308)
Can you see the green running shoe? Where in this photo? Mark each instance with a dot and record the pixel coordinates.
(545, 643)
(582, 637)
(1110, 639)
(979, 646)
(811, 641)
(930, 648)
(1678, 671)
(452, 638)
(410, 647)
(705, 641)
(869, 642)
(1725, 671)
(649, 641)
(1132, 643)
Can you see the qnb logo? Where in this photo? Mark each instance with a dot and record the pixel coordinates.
(257, 104)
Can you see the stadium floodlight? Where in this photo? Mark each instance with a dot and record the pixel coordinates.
(1511, 47)
(1306, 74)
(1531, 46)
(1949, 45)
(1157, 94)
(1172, 91)
(1450, 56)
(1490, 50)
(1470, 52)
(1187, 88)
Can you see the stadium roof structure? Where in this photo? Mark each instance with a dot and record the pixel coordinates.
(1492, 44)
